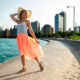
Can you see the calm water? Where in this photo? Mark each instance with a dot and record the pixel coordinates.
(8, 48)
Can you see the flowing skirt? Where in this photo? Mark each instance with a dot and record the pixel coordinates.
(28, 46)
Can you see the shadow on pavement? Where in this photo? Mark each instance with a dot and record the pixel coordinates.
(18, 75)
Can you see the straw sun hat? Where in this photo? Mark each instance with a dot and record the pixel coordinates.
(29, 12)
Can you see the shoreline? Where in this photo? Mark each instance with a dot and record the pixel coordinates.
(58, 65)
(18, 55)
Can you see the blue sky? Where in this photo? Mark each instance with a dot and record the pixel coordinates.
(42, 10)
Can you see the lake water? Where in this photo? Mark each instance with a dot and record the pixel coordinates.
(8, 48)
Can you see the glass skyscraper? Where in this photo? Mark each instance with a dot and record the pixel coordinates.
(60, 22)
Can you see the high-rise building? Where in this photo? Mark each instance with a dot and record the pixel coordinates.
(60, 22)
(64, 20)
(77, 29)
(47, 29)
(52, 30)
(13, 32)
(0, 31)
(69, 30)
(7, 31)
(35, 26)
(3, 33)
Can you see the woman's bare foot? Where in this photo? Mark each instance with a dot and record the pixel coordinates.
(22, 70)
(41, 66)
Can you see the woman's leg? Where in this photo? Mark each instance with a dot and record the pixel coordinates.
(40, 64)
(23, 62)
(37, 59)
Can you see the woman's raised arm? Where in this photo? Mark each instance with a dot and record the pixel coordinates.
(13, 17)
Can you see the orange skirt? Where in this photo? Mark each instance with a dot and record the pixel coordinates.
(28, 46)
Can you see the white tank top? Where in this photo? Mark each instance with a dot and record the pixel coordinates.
(22, 28)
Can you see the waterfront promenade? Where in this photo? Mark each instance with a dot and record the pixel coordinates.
(59, 64)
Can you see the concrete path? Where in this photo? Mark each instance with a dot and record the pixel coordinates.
(58, 61)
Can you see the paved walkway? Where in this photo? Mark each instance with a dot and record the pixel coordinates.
(57, 61)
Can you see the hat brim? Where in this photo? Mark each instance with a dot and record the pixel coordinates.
(29, 13)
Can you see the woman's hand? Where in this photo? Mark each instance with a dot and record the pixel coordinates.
(37, 41)
(13, 14)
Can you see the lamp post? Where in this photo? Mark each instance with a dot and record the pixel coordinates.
(74, 24)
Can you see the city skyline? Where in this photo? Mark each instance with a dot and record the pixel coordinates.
(12, 32)
(42, 11)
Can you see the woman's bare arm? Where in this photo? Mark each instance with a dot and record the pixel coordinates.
(30, 29)
(13, 17)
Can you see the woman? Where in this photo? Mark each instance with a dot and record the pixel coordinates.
(28, 47)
